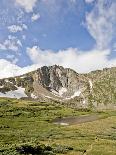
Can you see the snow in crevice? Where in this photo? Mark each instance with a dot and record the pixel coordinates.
(55, 93)
(22, 77)
(91, 84)
(84, 101)
(6, 80)
(76, 94)
(19, 93)
(47, 96)
(62, 91)
(33, 96)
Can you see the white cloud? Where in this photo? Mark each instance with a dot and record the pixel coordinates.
(89, 1)
(16, 28)
(23, 37)
(28, 5)
(12, 43)
(24, 26)
(35, 17)
(101, 22)
(71, 58)
(8, 69)
(80, 61)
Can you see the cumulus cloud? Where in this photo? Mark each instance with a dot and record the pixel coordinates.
(101, 22)
(16, 28)
(8, 69)
(73, 58)
(12, 43)
(28, 5)
(35, 17)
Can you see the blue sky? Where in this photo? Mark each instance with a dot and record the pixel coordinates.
(80, 34)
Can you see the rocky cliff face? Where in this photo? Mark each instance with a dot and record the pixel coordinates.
(59, 81)
(96, 89)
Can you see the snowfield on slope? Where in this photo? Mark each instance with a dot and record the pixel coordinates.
(19, 93)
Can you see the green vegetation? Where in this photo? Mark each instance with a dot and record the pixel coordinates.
(104, 86)
(26, 128)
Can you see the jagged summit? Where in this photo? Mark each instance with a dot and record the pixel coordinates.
(64, 85)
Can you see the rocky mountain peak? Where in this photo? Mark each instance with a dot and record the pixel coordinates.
(64, 85)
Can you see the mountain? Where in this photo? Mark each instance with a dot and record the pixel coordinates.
(95, 90)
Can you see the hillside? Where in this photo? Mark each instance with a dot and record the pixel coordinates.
(95, 90)
(28, 128)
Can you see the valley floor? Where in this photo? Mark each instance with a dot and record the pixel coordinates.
(27, 127)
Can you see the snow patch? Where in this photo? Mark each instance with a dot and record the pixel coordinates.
(47, 96)
(91, 84)
(84, 101)
(19, 93)
(33, 96)
(77, 93)
(22, 77)
(62, 91)
(8, 81)
(55, 92)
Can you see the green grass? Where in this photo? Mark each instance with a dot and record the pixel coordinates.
(29, 123)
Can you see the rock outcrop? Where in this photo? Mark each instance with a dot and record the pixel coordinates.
(96, 89)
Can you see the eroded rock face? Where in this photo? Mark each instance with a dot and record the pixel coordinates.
(54, 82)
(63, 82)
(65, 85)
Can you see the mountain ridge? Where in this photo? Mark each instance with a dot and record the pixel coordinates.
(64, 85)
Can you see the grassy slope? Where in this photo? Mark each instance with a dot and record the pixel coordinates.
(24, 122)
